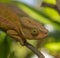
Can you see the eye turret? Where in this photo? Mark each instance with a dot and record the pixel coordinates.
(34, 32)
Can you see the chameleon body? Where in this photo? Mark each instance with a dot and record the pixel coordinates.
(20, 27)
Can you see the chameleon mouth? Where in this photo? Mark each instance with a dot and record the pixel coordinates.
(42, 36)
(45, 35)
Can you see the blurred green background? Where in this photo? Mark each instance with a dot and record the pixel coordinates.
(45, 15)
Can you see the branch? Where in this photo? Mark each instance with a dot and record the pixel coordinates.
(51, 6)
(39, 54)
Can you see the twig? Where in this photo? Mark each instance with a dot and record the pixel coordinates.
(51, 6)
(39, 54)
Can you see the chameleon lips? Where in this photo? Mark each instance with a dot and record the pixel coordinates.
(41, 36)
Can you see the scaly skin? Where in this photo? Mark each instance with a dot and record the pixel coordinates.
(10, 20)
(21, 27)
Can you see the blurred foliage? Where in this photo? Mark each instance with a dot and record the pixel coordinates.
(5, 43)
(50, 1)
(39, 15)
(46, 15)
(5, 1)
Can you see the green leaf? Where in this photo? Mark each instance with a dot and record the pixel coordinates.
(5, 0)
(5, 44)
(50, 1)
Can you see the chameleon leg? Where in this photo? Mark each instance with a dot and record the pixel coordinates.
(23, 42)
(15, 35)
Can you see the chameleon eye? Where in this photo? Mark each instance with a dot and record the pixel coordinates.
(34, 32)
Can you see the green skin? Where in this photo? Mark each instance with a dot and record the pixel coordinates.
(20, 26)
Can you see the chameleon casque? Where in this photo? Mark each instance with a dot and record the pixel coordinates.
(18, 25)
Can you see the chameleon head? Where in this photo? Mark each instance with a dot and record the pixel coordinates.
(32, 29)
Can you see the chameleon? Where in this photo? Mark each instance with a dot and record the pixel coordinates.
(19, 25)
